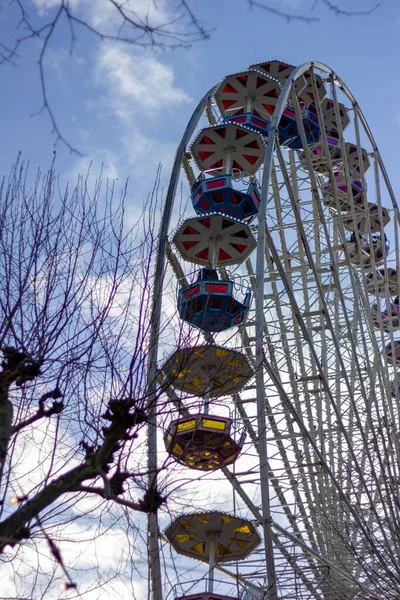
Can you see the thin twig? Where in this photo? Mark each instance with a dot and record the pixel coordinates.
(308, 19)
(347, 13)
(281, 13)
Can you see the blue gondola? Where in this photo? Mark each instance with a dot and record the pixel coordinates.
(251, 120)
(216, 194)
(288, 132)
(211, 304)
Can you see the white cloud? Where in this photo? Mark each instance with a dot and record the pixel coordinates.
(106, 546)
(107, 18)
(104, 14)
(33, 455)
(137, 83)
(44, 6)
(108, 565)
(100, 164)
(146, 153)
(138, 159)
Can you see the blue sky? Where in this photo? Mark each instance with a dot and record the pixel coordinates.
(127, 107)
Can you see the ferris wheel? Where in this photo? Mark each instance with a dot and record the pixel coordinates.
(287, 266)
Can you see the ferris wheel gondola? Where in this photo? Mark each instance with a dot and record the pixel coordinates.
(219, 194)
(248, 92)
(279, 71)
(392, 351)
(346, 199)
(213, 537)
(221, 148)
(371, 218)
(203, 442)
(314, 88)
(332, 114)
(388, 319)
(383, 282)
(357, 159)
(214, 239)
(208, 369)
(367, 251)
(319, 156)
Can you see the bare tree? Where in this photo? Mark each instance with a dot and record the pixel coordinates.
(75, 291)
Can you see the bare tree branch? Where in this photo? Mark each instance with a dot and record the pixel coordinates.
(306, 18)
(103, 494)
(281, 13)
(347, 13)
(16, 527)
